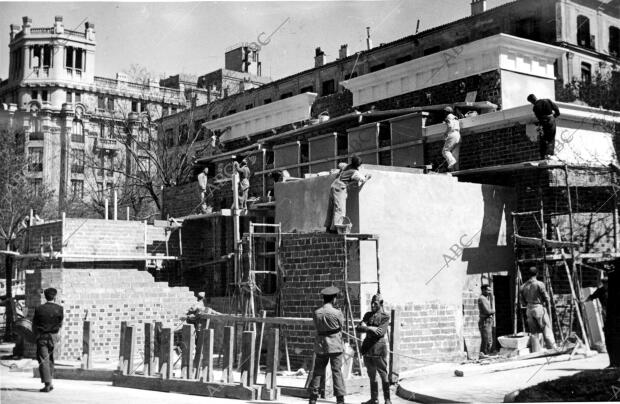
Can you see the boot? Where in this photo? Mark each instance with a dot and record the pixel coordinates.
(386, 392)
(339, 399)
(374, 393)
(48, 387)
(313, 398)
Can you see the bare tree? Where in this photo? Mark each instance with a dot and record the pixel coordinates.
(18, 194)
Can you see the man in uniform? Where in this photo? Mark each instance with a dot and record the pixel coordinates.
(374, 348)
(533, 294)
(46, 323)
(328, 346)
(485, 322)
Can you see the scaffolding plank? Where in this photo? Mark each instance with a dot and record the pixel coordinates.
(538, 242)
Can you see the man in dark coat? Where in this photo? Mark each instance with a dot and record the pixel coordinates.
(328, 345)
(46, 323)
(546, 111)
(375, 324)
(485, 321)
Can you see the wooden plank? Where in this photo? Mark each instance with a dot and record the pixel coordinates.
(229, 358)
(248, 340)
(159, 326)
(394, 369)
(218, 390)
(129, 349)
(149, 357)
(260, 347)
(198, 352)
(266, 320)
(186, 352)
(165, 354)
(207, 355)
(121, 344)
(87, 335)
(271, 391)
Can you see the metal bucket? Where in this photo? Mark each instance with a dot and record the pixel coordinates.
(23, 327)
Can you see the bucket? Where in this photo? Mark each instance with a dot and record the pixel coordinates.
(345, 226)
(23, 327)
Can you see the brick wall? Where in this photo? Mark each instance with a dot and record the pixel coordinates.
(106, 297)
(335, 104)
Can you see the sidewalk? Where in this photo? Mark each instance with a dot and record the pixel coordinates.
(490, 383)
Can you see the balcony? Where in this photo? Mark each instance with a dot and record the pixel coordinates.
(35, 136)
(106, 145)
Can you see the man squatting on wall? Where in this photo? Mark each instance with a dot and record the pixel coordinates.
(546, 112)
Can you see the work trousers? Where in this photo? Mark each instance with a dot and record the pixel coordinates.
(547, 137)
(320, 363)
(374, 365)
(538, 321)
(485, 325)
(45, 356)
(337, 208)
(451, 148)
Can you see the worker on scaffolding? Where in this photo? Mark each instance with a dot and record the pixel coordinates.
(452, 139)
(348, 176)
(546, 112)
(241, 167)
(533, 293)
(203, 183)
(374, 348)
(328, 346)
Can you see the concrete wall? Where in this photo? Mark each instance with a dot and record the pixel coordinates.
(437, 236)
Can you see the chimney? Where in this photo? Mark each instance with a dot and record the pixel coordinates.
(478, 6)
(15, 28)
(90, 31)
(27, 24)
(319, 57)
(59, 28)
(343, 53)
(368, 40)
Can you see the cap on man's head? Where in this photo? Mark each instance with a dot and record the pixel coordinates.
(448, 110)
(330, 291)
(201, 295)
(531, 98)
(50, 293)
(485, 287)
(377, 298)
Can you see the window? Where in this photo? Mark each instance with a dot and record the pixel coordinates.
(431, 50)
(110, 104)
(586, 72)
(232, 111)
(37, 185)
(78, 97)
(286, 95)
(77, 188)
(134, 106)
(249, 106)
(77, 131)
(74, 58)
(614, 41)
(307, 89)
(100, 102)
(214, 117)
(100, 189)
(77, 161)
(35, 128)
(328, 87)
(267, 101)
(142, 106)
(583, 31)
(69, 97)
(35, 159)
(403, 59)
(44, 95)
(377, 67)
(169, 136)
(110, 165)
(34, 95)
(183, 134)
(144, 166)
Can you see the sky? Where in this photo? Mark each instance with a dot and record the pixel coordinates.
(192, 37)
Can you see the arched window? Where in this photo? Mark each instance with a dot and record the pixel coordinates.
(77, 131)
(583, 31)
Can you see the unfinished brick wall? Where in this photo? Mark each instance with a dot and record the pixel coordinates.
(335, 104)
(106, 297)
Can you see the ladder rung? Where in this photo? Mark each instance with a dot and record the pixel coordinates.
(267, 254)
(265, 234)
(265, 272)
(362, 283)
(265, 225)
(525, 213)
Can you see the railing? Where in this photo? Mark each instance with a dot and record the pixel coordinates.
(35, 167)
(77, 169)
(41, 30)
(75, 33)
(77, 138)
(35, 136)
(102, 143)
(144, 89)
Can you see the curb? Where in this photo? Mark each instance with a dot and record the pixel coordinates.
(420, 398)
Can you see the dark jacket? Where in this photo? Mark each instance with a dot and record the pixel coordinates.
(545, 107)
(47, 319)
(375, 343)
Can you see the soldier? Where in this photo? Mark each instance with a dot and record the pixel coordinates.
(328, 346)
(375, 350)
(46, 323)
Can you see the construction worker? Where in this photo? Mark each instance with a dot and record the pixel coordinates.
(375, 324)
(452, 139)
(244, 181)
(533, 293)
(546, 112)
(46, 324)
(328, 345)
(203, 183)
(349, 175)
(485, 321)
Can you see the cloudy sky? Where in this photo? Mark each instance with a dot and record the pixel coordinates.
(191, 37)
